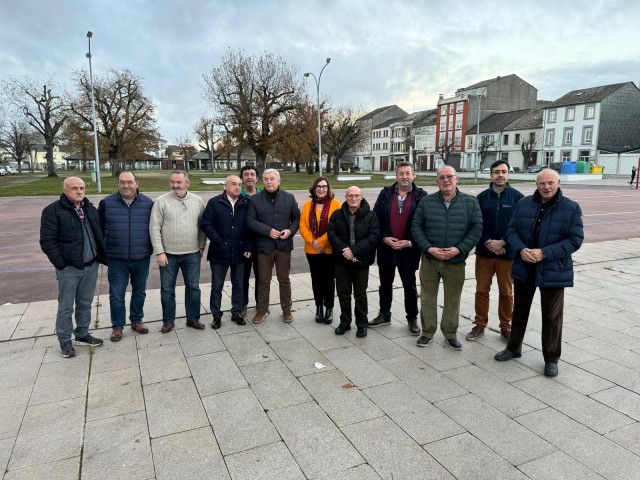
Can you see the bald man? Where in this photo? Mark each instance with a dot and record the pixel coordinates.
(223, 222)
(71, 237)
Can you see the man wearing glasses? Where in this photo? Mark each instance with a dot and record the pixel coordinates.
(178, 244)
(124, 217)
(353, 232)
(447, 225)
(395, 208)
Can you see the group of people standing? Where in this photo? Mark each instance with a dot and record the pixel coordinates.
(528, 241)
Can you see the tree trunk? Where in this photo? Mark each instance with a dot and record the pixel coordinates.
(51, 167)
(115, 165)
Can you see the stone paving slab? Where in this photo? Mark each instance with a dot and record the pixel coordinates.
(215, 373)
(60, 470)
(13, 404)
(558, 466)
(193, 454)
(114, 393)
(300, 356)
(269, 461)
(274, 385)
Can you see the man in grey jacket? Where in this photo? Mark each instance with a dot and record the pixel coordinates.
(274, 216)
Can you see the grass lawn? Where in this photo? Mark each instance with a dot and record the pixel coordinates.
(158, 181)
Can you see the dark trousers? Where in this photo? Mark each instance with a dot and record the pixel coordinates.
(119, 274)
(408, 276)
(350, 279)
(323, 278)
(282, 261)
(253, 261)
(552, 306)
(218, 275)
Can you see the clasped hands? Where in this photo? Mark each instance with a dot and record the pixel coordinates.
(280, 234)
(531, 255)
(444, 253)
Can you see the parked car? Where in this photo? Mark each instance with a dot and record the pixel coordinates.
(354, 169)
(557, 166)
(488, 169)
(3, 172)
(536, 168)
(11, 170)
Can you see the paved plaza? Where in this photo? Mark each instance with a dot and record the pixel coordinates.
(294, 401)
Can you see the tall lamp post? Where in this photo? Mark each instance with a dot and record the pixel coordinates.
(93, 110)
(317, 80)
(475, 173)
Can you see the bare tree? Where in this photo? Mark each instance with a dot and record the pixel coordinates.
(16, 140)
(296, 136)
(444, 148)
(528, 147)
(187, 148)
(249, 93)
(125, 116)
(208, 136)
(486, 143)
(44, 109)
(342, 132)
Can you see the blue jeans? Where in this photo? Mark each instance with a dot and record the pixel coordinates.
(75, 286)
(387, 273)
(119, 273)
(189, 263)
(218, 274)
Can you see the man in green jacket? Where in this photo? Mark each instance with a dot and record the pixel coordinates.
(446, 226)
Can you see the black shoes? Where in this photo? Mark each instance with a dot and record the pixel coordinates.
(379, 321)
(328, 316)
(67, 349)
(319, 315)
(414, 329)
(423, 341)
(89, 340)
(217, 320)
(453, 343)
(551, 369)
(342, 328)
(505, 355)
(361, 332)
(238, 319)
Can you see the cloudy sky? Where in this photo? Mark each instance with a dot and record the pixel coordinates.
(402, 52)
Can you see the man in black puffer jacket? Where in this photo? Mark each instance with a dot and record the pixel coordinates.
(275, 217)
(353, 232)
(71, 237)
(545, 230)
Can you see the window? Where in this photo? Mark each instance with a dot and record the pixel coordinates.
(587, 134)
(504, 156)
(505, 140)
(548, 157)
(451, 108)
(551, 117)
(458, 122)
(457, 139)
(443, 110)
(584, 155)
(566, 156)
(516, 140)
(570, 114)
(443, 123)
(589, 111)
(568, 136)
(551, 134)
(450, 122)
(459, 107)
(386, 133)
(469, 142)
(532, 138)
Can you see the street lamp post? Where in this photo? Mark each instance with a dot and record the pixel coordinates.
(475, 173)
(93, 110)
(317, 80)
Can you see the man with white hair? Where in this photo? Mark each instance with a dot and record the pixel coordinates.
(446, 227)
(545, 230)
(274, 216)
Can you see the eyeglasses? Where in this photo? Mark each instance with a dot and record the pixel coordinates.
(354, 195)
(442, 178)
(322, 187)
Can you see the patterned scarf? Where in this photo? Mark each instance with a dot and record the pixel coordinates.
(321, 229)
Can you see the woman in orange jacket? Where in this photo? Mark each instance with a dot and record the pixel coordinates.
(313, 229)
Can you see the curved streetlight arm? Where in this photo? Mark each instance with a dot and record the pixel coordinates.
(317, 80)
(93, 109)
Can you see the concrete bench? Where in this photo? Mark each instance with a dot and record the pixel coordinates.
(347, 178)
(214, 181)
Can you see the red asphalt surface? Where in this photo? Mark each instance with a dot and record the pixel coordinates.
(610, 213)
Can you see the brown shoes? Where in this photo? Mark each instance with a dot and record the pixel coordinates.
(243, 313)
(287, 317)
(260, 315)
(413, 326)
(196, 324)
(167, 327)
(116, 335)
(506, 334)
(139, 327)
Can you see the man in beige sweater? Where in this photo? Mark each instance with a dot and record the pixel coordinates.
(178, 244)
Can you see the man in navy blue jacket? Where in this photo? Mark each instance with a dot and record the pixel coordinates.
(546, 228)
(125, 221)
(231, 245)
(493, 255)
(395, 208)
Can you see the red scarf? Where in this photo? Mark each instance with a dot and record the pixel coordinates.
(319, 230)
